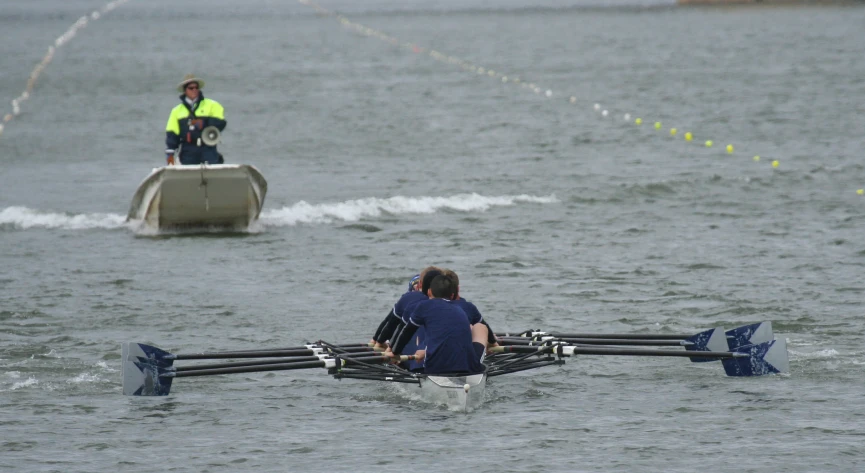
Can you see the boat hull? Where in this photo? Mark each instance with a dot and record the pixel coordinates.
(226, 196)
(458, 393)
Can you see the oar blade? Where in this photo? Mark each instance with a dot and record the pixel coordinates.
(140, 351)
(142, 379)
(764, 358)
(750, 335)
(709, 340)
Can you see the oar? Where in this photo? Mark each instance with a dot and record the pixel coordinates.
(592, 341)
(151, 377)
(269, 362)
(153, 353)
(709, 340)
(750, 360)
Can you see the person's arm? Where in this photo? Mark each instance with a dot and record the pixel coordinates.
(398, 345)
(387, 328)
(491, 337)
(172, 137)
(217, 116)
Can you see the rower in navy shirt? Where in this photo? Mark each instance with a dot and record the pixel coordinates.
(449, 345)
(472, 311)
(397, 317)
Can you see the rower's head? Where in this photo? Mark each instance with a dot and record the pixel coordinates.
(456, 280)
(426, 276)
(443, 287)
(414, 283)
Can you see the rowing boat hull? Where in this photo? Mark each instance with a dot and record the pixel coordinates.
(223, 196)
(458, 393)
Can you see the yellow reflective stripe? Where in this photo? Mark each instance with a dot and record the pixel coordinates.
(173, 125)
(210, 108)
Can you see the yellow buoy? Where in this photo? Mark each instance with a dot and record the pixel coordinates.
(756, 158)
(657, 125)
(775, 163)
(689, 136)
(708, 143)
(861, 191)
(638, 121)
(673, 132)
(730, 149)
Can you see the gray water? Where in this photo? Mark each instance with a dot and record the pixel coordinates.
(381, 160)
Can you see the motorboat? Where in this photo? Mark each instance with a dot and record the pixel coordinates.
(199, 196)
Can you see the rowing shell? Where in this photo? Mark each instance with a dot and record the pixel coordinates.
(457, 393)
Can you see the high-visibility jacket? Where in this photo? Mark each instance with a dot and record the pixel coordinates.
(184, 127)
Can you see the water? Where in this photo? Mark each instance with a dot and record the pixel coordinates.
(381, 160)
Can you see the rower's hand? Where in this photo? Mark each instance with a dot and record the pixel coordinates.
(490, 348)
(419, 355)
(394, 359)
(169, 157)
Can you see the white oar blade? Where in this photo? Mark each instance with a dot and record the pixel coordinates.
(142, 379)
(764, 358)
(710, 340)
(140, 366)
(750, 335)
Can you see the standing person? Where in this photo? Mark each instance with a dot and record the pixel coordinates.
(450, 348)
(187, 119)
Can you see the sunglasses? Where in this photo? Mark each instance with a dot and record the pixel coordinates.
(191, 87)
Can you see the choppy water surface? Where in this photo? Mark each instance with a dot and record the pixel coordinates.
(381, 160)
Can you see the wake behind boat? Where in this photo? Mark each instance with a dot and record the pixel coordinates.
(205, 196)
(751, 350)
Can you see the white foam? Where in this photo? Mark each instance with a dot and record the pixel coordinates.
(24, 384)
(84, 378)
(816, 355)
(25, 218)
(354, 210)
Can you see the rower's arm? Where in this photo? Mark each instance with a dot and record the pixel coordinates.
(491, 336)
(382, 326)
(398, 345)
(387, 328)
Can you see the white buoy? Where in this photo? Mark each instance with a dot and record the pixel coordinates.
(466, 387)
(604, 113)
(597, 106)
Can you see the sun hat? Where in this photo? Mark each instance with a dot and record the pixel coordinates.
(188, 78)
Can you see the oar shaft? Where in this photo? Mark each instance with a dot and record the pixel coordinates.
(594, 341)
(260, 353)
(277, 361)
(614, 351)
(273, 367)
(621, 336)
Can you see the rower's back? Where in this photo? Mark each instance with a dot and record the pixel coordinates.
(449, 347)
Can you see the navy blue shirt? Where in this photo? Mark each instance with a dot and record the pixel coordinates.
(448, 337)
(405, 304)
(470, 310)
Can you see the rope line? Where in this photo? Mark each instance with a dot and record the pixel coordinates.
(513, 80)
(61, 40)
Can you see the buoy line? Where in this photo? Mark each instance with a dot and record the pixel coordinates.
(514, 80)
(61, 40)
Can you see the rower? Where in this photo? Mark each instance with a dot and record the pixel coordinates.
(473, 313)
(394, 319)
(451, 346)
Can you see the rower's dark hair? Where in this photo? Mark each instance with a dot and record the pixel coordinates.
(444, 287)
(449, 273)
(428, 276)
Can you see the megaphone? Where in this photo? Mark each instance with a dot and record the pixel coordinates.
(210, 136)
